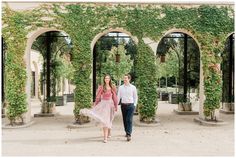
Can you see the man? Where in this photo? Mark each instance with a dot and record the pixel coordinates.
(127, 93)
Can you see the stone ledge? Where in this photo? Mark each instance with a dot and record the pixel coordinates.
(4, 126)
(142, 124)
(209, 123)
(179, 112)
(85, 125)
(226, 111)
(46, 115)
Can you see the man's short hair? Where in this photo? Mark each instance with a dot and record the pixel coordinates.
(128, 75)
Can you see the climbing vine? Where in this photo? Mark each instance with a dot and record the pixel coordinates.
(146, 83)
(210, 25)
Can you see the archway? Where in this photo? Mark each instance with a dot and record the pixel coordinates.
(180, 72)
(55, 48)
(227, 67)
(113, 49)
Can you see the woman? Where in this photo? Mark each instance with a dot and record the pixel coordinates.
(104, 107)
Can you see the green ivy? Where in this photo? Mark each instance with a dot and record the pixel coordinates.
(15, 66)
(209, 25)
(146, 82)
(213, 92)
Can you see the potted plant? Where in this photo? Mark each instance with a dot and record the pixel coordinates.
(184, 105)
(51, 107)
(44, 109)
(48, 107)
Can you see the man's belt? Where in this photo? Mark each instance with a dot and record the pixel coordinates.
(126, 103)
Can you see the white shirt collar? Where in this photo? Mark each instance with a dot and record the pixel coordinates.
(127, 85)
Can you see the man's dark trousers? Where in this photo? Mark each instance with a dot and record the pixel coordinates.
(127, 113)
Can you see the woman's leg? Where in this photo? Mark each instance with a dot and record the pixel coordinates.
(105, 134)
(109, 133)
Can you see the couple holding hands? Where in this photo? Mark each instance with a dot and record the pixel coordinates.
(106, 104)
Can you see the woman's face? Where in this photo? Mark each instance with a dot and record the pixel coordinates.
(107, 79)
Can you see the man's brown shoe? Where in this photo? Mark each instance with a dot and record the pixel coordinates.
(128, 138)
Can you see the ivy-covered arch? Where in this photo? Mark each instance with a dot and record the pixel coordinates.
(227, 36)
(191, 34)
(207, 23)
(103, 33)
(172, 30)
(31, 37)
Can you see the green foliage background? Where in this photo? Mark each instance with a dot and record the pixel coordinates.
(209, 25)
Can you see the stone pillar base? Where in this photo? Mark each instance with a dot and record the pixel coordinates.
(209, 123)
(180, 112)
(45, 114)
(8, 126)
(139, 123)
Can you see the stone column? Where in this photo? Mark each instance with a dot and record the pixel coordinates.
(66, 87)
(27, 115)
(201, 93)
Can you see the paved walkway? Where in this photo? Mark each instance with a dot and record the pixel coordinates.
(177, 135)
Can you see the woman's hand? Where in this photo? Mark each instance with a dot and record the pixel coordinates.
(94, 104)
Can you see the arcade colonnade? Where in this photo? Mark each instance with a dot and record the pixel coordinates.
(58, 19)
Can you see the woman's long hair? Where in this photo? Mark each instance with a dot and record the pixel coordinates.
(110, 84)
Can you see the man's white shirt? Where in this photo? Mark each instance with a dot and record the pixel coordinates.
(127, 94)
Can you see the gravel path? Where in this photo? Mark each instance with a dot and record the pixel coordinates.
(176, 135)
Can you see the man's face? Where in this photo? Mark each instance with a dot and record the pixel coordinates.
(126, 79)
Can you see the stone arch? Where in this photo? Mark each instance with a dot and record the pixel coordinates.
(227, 36)
(99, 35)
(31, 37)
(201, 78)
(182, 31)
(154, 44)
